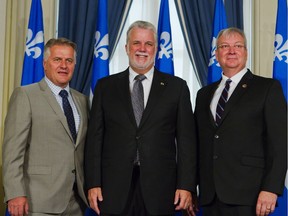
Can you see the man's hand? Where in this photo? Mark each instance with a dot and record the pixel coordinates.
(183, 201)
(266, 203)
(18, 206)
(95, 195)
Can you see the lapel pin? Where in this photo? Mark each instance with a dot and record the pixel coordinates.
(162, 83)
(244, 86)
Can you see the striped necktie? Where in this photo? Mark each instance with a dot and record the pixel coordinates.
(222, 102)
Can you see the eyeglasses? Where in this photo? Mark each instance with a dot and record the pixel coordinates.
(228, 46)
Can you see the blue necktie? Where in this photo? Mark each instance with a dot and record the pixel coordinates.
(68, 113)
(222, 102)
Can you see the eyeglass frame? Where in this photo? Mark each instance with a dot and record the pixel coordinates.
(228, 46)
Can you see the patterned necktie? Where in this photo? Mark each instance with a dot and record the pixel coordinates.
(222, 102)
(137, 98)
(68, 113)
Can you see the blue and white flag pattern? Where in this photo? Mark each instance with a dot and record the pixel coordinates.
(280, 71)
(164, 57)
(101, 51)
(219, 23)
(33, 58)
(280, 68)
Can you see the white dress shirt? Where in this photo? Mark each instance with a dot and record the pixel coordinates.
(235, 80)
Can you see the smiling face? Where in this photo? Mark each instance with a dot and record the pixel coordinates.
(141, 49)
(59, 65)
(231, 53)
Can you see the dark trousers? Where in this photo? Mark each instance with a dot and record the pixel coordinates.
(218, 208)
(135, 205)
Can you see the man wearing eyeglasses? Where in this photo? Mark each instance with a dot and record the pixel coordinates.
(242, 130)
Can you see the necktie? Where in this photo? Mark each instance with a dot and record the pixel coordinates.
(137, 98)
(68, 113)
(222, 102)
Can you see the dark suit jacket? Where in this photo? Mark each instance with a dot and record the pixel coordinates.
(113, 138)
(247, 152)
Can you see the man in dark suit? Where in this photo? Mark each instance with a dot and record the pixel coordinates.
(42, 160)
(242, 151)
(162, 178)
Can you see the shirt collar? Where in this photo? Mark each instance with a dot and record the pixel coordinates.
(133, 74)
(236, 78)
(54, 88)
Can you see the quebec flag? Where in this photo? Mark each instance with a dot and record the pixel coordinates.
(101, 52)
(280, 71)
(219, 23)
(164, 56)
(33, 58)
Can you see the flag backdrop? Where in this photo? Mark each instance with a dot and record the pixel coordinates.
(164, 56)
(101, 53)
(219, 23)
(280, 71)
(33, 58)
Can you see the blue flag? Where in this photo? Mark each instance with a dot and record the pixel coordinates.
(33, 58)
(101, 52)
(281, 46)
(219, 23)
(280, 71)
(164, 56)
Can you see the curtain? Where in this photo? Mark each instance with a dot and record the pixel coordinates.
(77, 22)
(196, 19)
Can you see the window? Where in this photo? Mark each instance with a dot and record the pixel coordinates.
(148, 10)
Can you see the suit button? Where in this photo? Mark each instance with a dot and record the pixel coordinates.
(216, 136)
(137, 137)
(215, 157)
(73, 171)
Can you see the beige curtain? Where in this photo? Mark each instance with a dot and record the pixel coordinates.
(14, 16)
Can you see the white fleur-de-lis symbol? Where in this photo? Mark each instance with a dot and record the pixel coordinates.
(213, 57)
(165, 46)
(31, 43)
(101, 46)
(281, 48)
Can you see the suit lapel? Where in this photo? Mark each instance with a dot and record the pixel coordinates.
(48, 95)
(81, 113)
(158, 86)
(209, 99)
(125, 95)
(240, 89)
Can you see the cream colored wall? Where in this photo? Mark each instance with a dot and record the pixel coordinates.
(14, 15)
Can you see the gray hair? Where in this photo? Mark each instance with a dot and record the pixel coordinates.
(143, 25)
(230, 31)
(61, 42)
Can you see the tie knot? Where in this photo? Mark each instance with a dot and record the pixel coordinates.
(228, 81)
(140, 77)
(63, 93)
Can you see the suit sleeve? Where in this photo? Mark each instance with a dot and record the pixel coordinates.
(276, 144)
(186, 143)
(16, 135)
(93, 146)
